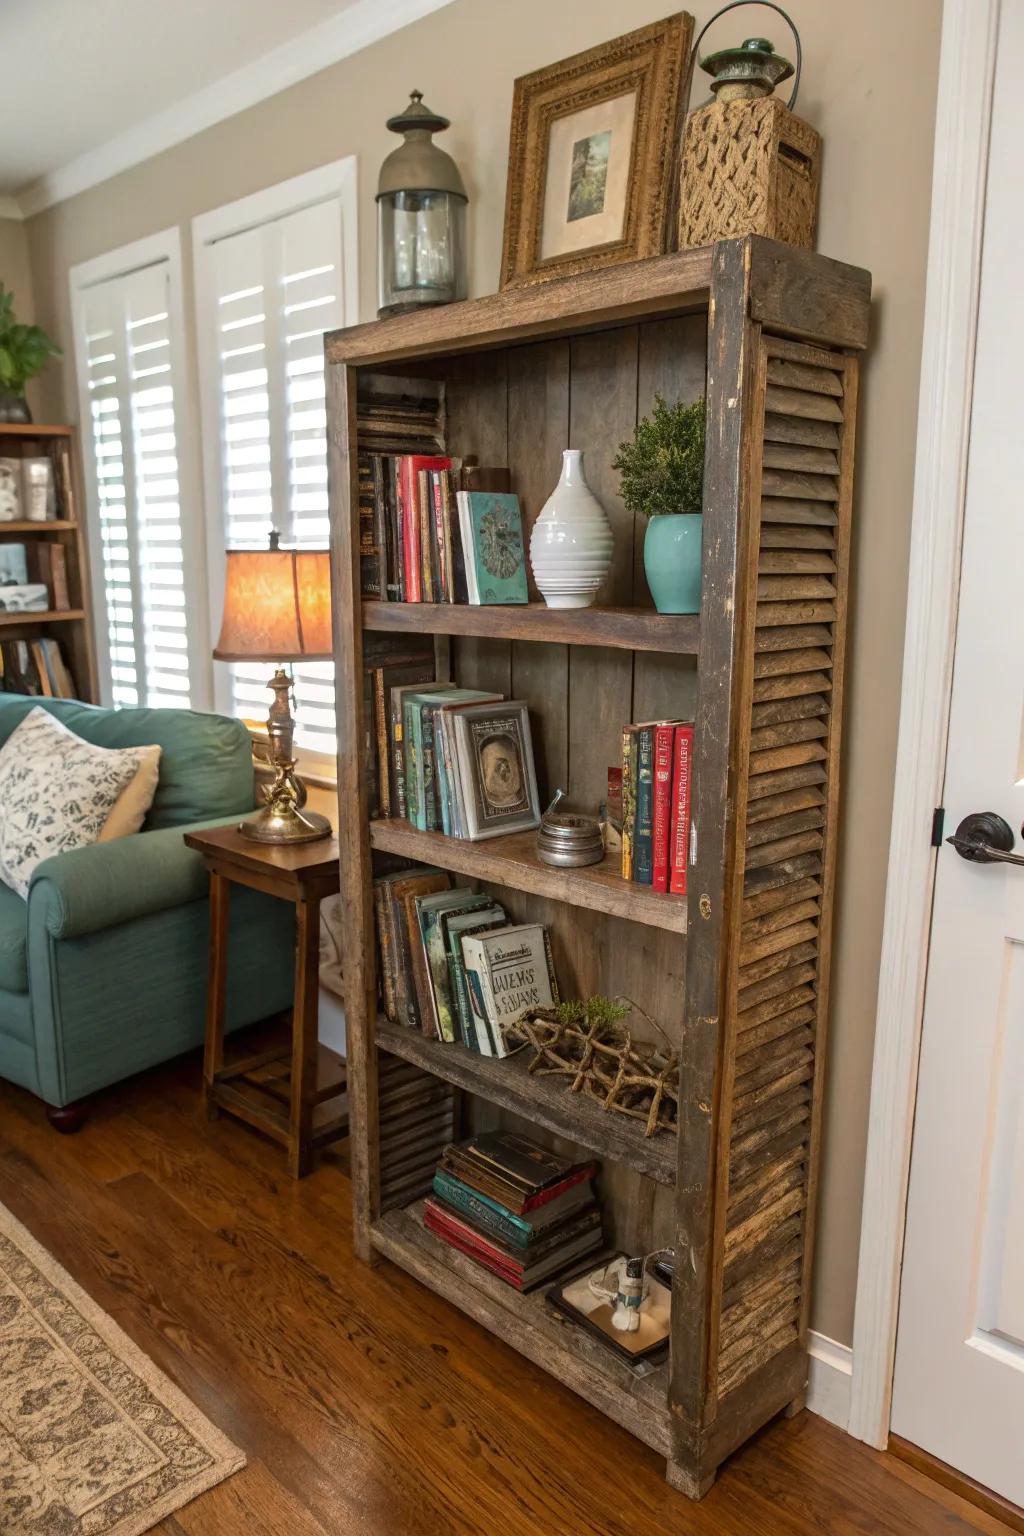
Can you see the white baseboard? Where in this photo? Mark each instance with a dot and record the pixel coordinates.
(828, 1386)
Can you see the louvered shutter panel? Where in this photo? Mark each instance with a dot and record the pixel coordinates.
(126, 328)
(278, 288)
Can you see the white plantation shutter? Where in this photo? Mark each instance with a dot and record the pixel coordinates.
(273, 288)
(126, 372)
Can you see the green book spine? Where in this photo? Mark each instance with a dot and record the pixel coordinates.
(484, 1212)
(412, 751)
(643, 849)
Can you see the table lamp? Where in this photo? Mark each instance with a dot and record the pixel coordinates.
(277, 607)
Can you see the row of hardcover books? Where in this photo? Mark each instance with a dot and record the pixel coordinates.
(435, 529)
(655, 789)
(36, 668)
(447, 759)
(515, 1208)
(452, 965)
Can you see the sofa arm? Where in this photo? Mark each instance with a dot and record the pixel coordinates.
(107, 884)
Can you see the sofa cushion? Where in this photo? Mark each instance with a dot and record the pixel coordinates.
(205, 766)
(13, 942)
(56, 791)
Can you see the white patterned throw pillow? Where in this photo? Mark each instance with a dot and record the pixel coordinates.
(56, 792)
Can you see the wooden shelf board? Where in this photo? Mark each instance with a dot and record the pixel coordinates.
(529, 1325)
(49, 616)
(36, 525)
(545, 1100)
(634, 629)
(512, 861)
(660, 285)
(32, 429)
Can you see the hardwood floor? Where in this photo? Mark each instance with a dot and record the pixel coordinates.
(365, 1405)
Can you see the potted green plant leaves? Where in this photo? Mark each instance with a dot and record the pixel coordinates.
(662, 477)
(24, 349)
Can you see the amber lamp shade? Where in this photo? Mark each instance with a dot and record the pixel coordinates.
(277, 606)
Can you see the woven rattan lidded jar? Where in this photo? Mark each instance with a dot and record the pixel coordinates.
(750, 166)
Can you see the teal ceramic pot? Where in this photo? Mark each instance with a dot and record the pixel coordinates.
(672, 561)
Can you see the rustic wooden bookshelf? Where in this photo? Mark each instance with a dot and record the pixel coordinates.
(737, 972)
(71, 626)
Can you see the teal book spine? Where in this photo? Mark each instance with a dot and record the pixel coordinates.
(412, 753)
(498, 552)
(643, 844)
(483, 1211)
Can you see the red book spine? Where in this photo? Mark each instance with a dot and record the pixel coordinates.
(410, 529)
(681, 790)
(534, 1202)
(409, 466)
(662, 823)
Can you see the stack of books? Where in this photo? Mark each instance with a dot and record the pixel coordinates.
(655, 785)
(35, 667)
(37, 585)
(452, 965)
(447, 759)
(434, 529)
(515, 1207)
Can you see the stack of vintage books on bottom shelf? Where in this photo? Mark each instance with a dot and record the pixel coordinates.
(650, 797)
(515, 1207)
(452, 965)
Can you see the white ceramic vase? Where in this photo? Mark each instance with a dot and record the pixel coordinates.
(571, 543)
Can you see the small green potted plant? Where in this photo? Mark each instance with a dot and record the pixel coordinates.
(662, 477)
(24, 349)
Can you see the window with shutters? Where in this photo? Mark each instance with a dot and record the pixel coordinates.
(149, 604)
(273, 272)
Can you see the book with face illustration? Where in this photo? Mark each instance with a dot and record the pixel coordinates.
(496, 768)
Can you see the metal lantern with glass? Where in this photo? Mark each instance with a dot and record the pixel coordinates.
(421, 217)
(277, 607)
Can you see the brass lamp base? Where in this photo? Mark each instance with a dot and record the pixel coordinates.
(285, 824)
(284, 819)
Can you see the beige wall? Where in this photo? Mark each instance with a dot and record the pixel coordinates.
(876, 115)
(16, 275)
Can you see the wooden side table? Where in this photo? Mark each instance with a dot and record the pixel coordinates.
(281, 1091)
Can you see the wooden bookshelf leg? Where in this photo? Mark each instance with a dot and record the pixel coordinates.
(690, 1478)
(796, 1406)
(216, 995)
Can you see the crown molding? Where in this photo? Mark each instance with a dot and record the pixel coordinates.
(10, 208)
(365, 22)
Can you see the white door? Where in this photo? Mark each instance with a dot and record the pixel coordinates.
(959, 1382)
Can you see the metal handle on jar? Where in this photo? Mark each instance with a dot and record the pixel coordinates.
(732, 6)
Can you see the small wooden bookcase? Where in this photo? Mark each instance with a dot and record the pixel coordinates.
(737, 971)
(72, 626)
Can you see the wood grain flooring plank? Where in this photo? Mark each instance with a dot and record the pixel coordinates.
(366, 1405)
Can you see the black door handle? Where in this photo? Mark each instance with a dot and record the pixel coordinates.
(985, 838)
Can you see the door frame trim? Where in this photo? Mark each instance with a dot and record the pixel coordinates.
(963, 117)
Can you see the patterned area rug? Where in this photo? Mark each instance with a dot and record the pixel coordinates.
(94, 1440)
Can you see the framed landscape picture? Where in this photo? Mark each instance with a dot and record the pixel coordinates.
(499, 782)
(592, 153)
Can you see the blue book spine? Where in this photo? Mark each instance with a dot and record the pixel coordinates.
(643, 845)
(483, 1211)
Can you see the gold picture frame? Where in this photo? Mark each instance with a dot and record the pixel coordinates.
(592, 155)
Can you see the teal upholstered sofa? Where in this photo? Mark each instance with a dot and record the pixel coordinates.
(103, 969)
